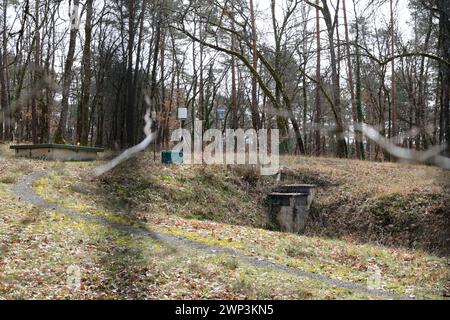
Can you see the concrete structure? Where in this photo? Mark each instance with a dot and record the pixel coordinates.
(56, 152)
(288, 207)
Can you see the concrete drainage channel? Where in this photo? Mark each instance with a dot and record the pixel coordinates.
(23, 189)
(288, 207)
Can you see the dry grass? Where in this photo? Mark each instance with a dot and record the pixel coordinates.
(38, 246)
(384, 203)
(185, 200)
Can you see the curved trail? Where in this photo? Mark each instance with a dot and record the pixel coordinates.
(23, 189)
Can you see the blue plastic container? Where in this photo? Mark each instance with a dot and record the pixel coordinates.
(172, 157)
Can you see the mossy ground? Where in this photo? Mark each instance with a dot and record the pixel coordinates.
(38, 246)
(396, 205)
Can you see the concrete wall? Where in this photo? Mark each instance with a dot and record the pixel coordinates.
(287, 208)
(56, 154)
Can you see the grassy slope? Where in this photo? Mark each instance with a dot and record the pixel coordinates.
(178, 200)
(389, 204)
(37, 247)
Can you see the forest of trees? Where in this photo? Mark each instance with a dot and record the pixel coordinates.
(86, 71)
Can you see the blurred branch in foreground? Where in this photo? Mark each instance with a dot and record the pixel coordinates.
(132, 151)
(430, 156)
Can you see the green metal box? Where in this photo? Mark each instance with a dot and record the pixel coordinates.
(172, 157)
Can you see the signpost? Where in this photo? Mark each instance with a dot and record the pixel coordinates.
(154, 114)
(182, 116)
(221, 113)
(182, 113)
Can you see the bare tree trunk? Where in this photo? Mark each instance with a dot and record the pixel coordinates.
(341, 151)
(83, 121)
(421, 88)
(201, 84)
(256, 119)
(5, 103)
(234, 99)
(162, 67)
(359, 112)
(318, 115)
(282, 123)
(305, 112)
(444, 19)
(156, 52)
(351, 85)
(444, 26)
(35, 93)
(67, 77)
(137, 92)
(394, 131)
(47, 97)
(130, 113)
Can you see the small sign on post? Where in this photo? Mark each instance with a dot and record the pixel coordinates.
(154, 116)
(182, 113)
(221, 112)
(182, 116)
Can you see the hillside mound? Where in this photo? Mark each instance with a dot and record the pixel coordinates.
(384, 203)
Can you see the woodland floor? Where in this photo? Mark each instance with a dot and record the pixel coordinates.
(148, 231)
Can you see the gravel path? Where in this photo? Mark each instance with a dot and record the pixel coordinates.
(23, 189)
